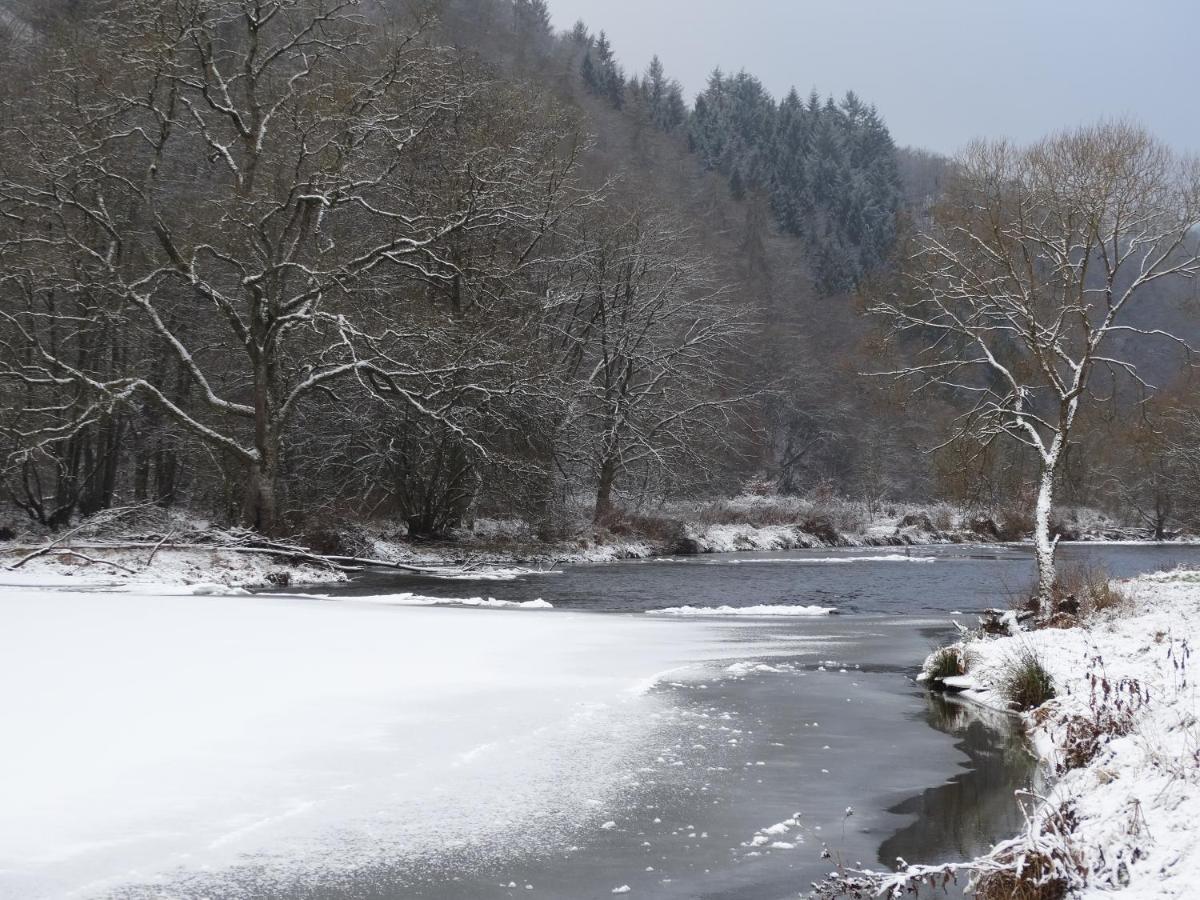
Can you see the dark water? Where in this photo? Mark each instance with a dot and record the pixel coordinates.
(962, 578)
(924, 779)
(823, 727)
(819, 717)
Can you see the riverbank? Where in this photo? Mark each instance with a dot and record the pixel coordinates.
(173, 548)
(1120, 745)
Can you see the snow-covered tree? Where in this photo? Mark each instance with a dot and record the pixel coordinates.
(270, 201)
(1026, 282)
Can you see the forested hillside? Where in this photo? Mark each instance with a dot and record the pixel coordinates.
(285, 261)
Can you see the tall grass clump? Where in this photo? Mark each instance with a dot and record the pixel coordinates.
(945, 662)
(1026, 683)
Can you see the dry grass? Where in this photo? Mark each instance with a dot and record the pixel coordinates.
(1085, 590)
(1035, 882)
(845, 516)
(764, 511)
(661, 529)
(1080, 591)
(1026, 684)
(1113, 707)
(946, 662)
(1046, 868)
(1043, 864)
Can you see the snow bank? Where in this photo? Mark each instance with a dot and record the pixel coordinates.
(732, 538)
(612, 551)
(153, 738)
(1132, 784)
(168, 567)
(778, 610)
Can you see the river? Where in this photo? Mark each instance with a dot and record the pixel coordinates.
(814, 748)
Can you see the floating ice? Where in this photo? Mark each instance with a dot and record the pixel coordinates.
(780, 610)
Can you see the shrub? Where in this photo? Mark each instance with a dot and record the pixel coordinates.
(652, 528)
(1086, 589)
(1113, 706)
(943, 517)
(946, 662)
(1026, 683)
(758, 511)
(1015, 524)
(822, 529)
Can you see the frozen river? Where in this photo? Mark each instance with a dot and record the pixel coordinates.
(298, 747)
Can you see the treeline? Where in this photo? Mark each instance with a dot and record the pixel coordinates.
(828, 169)
(287, 260)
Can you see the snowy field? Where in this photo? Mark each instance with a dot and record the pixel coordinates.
(150, 733)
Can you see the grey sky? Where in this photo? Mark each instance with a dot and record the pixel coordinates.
(940, 71)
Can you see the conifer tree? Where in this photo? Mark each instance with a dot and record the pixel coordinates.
(532, 19)
(601, 74)
(664, 96)
(579, 34)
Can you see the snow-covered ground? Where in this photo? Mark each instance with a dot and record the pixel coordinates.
(489, 548)
(150, 732)
(146, 569)
(1120, 741)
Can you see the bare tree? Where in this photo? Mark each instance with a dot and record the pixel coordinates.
(272, 201)
(1023, 284)
(647, 343)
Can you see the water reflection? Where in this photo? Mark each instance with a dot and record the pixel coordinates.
(976, 808)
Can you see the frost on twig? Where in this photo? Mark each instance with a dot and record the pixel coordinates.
(1043, 861)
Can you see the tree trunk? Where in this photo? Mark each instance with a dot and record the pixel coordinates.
(259, 506)
(608, 474)
(260, 509)
(1043, 545)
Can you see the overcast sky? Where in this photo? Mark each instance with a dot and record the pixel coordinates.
(940, 71)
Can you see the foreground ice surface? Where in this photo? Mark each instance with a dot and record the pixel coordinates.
(146, 733)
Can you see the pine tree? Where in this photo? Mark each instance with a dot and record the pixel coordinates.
(611, 78)
(664, 97)
(674, 113)
(789, 192)
(601, 73)
(591, 77)
(579, 34)
(733, 128)
(532, 19)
